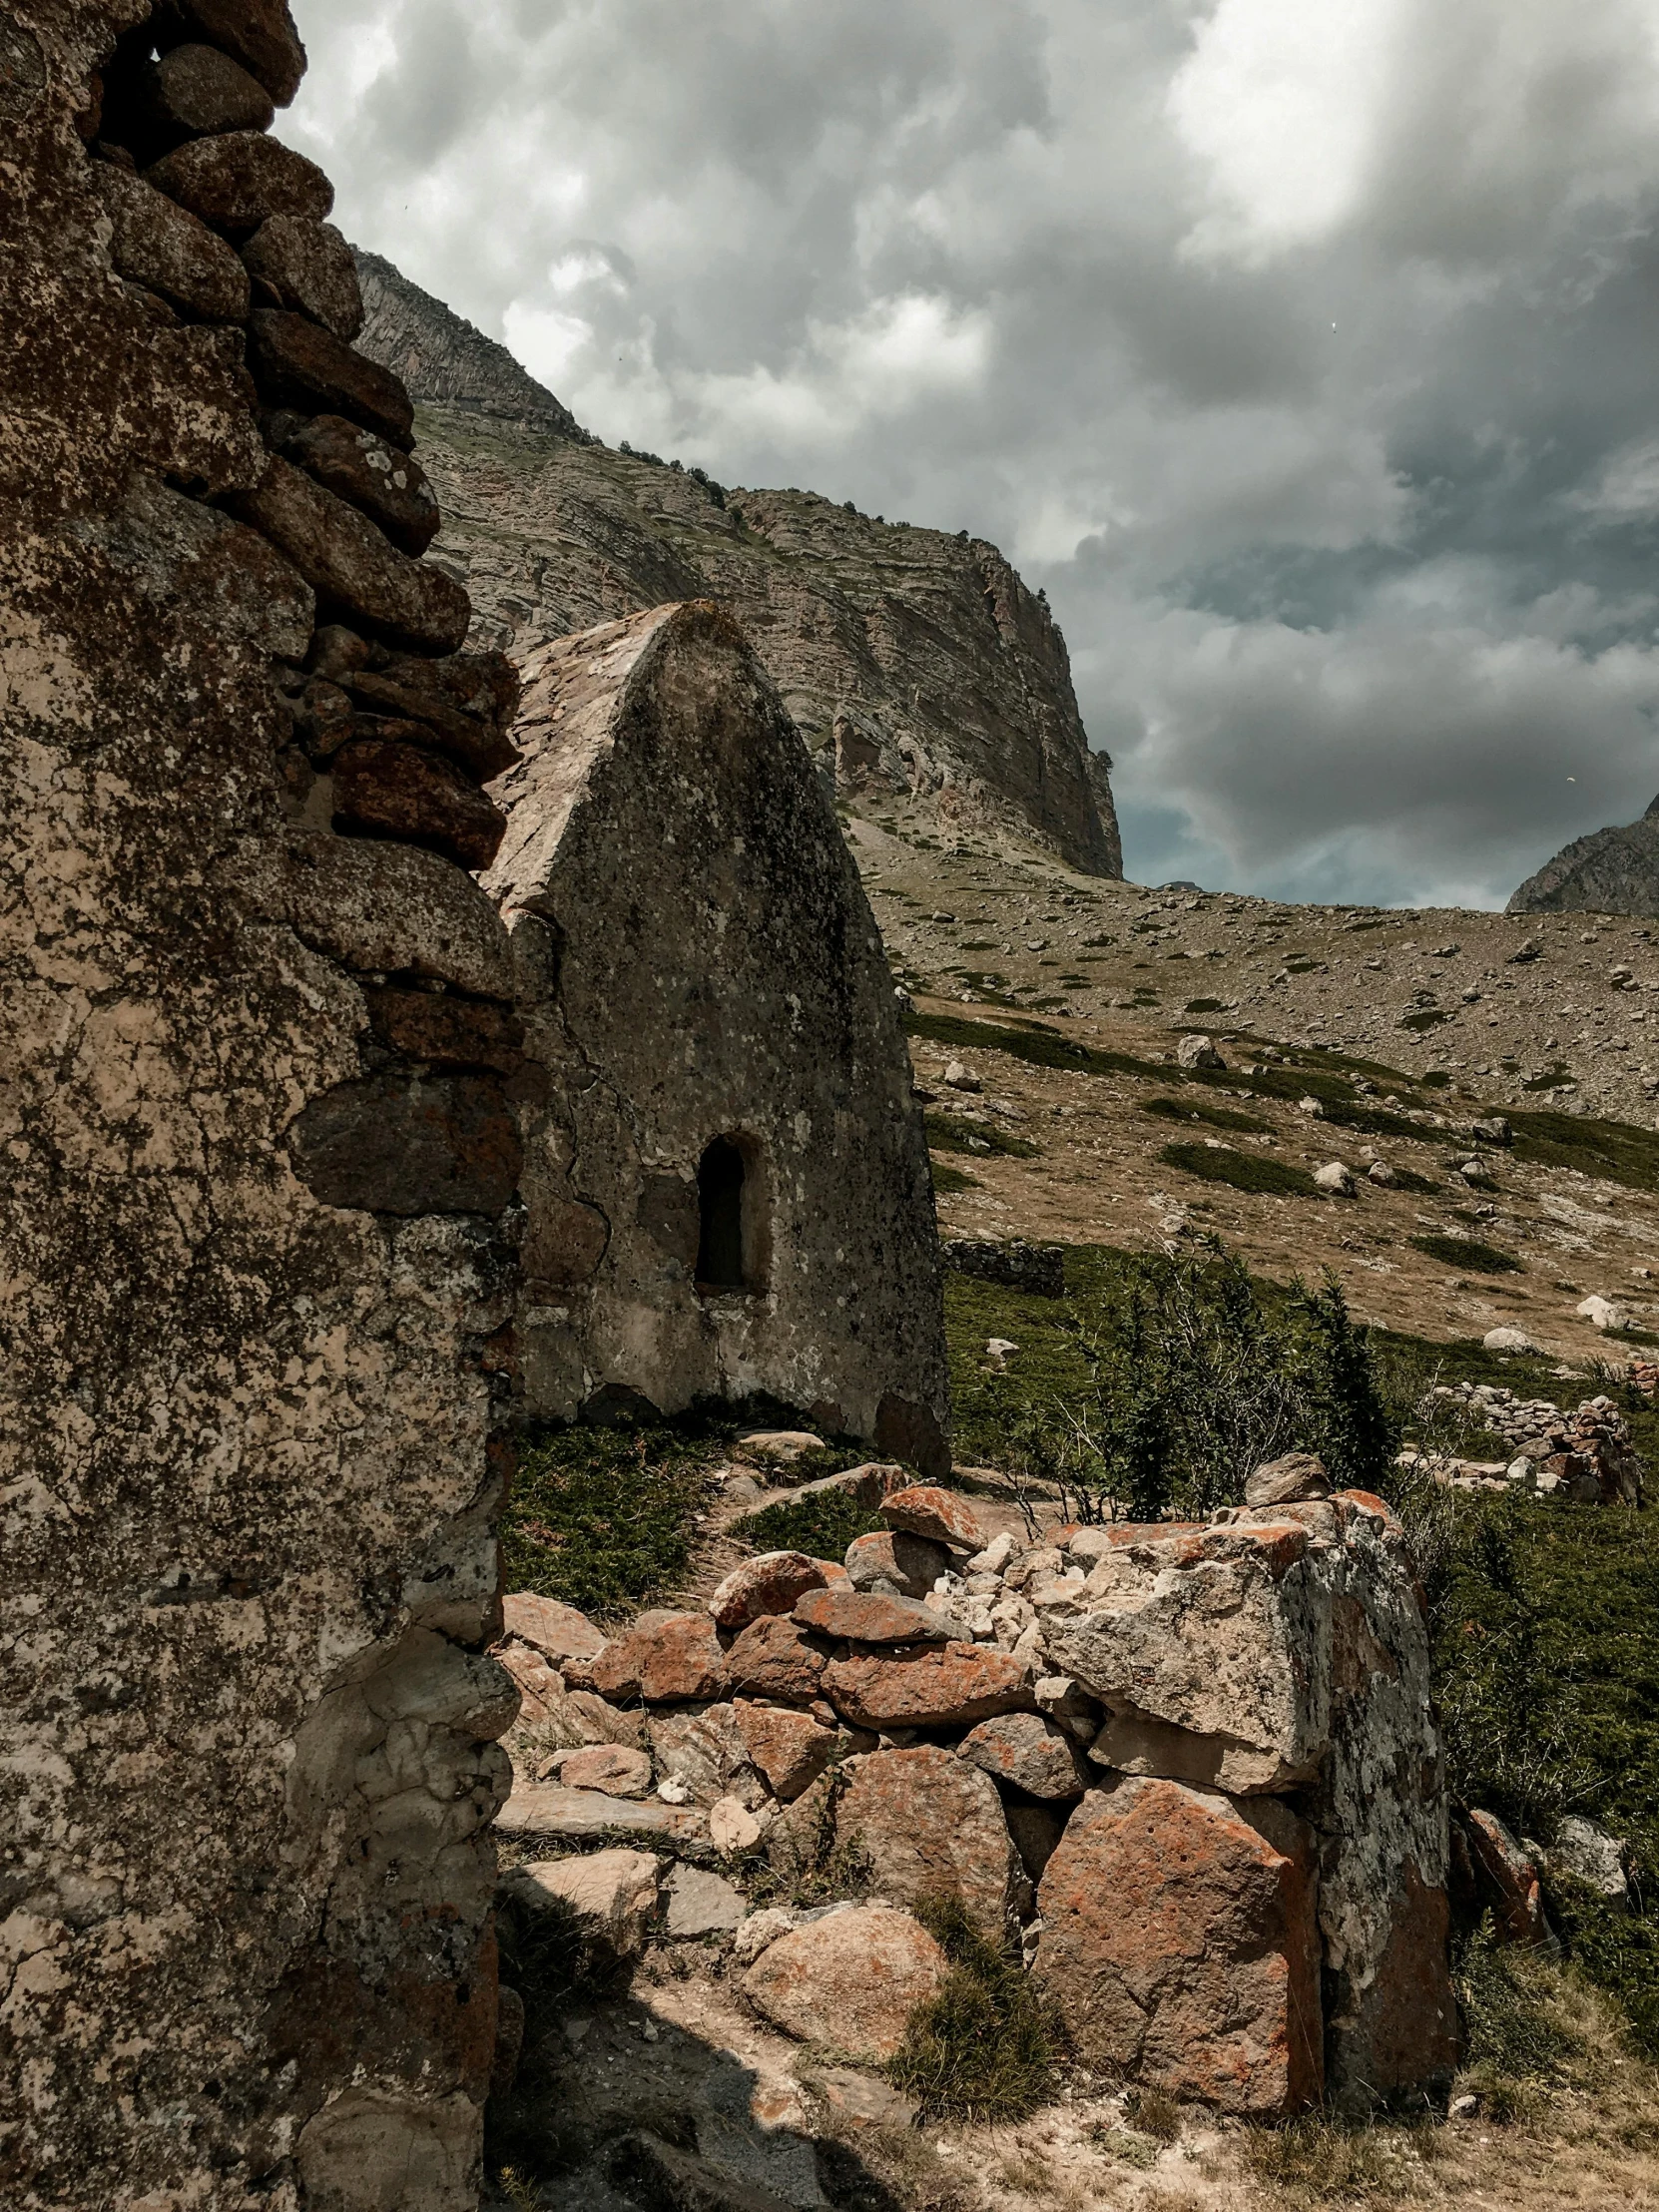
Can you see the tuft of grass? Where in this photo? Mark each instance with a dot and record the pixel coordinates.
(1469, 1252)
(1204, 1006)
(947, 1179)
(1430, 1017)
(1241, 1171)
(1615, 1151)
(1200, 1109)
(1316, 2159)
(953, 1133)
(987, 2047)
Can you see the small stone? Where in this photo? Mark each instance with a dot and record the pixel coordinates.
(612, 1768)
(866, 1617)
(1507, 1340)
(769, 1583)
(557, 1631)
(758, 1930)
(241, 179)
(701, 1902)
(1464, 2107)
(994, 1557)
(1029, 1750)
(862, 2099)
(790, 1749)
(909, 1565)
(402, 791)
(297, 364)
(1287, 1481)
(998, 1350)
(733, 1826)
(959, 1079)
(850, 1981)
(950, 1686)
(156, 242)
(1334, 1177)
(674, 1661)
(350, 564)
(776, 1658)
(260, 34)
(612, 1893)
(1198, 1052)
(941, 1515)
(1589, 1854)
(309, 266)
(449, 701)
(1381, 1173)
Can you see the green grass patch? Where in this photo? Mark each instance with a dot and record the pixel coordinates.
(947, 1179)
(1552, 1079)
(1200, 1109)
(1239, 1171)
(987, 2047)
(1428, 1017)
(1204, 1006)
(601, 1518)
(1470, 1254)
(953, 1133)
(821, 1525)
(1614, 1151)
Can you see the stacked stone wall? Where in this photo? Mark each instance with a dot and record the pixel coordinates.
(260, 1067)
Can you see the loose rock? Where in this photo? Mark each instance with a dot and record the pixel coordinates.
(910, 1564)
(790, 1749)
(239, 181)
(768, 1583)
(850, 1981)
(308, 268)
(866, 1617)
(556, 1631)
(671, 1662)
(156, 242)
(958, 1684)
(1286, 1481)
(613, 1767)
(703, 1903)
(612, 1893)
(1029, 1752)
(925, 1510)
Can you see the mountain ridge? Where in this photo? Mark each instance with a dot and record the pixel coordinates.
(931, 685)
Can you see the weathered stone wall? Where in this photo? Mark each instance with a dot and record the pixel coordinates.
(260, 1162)
(698, 961)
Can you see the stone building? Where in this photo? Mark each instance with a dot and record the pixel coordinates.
(727, 1183)
(257, 1054)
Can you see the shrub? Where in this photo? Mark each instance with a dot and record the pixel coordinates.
(1241, 1171)
(1467, 1252)
(1200, 1109)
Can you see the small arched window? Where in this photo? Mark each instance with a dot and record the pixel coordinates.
(725, 1241)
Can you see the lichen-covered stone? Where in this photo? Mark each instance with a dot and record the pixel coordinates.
(557, 1631)
(777, 1658)
(617, 1769)
(299, 364)
(611, 1893)
(940, 1516)
(239, 181)
(156, 242)
(936, 1686)
(260, 35)
(672, 1661)
(771, 1582)
(707, 1751)
(850, 1980)
(739, 994)
(847, 1615)
(391, 784)
(931, 1826)
(1029, 1752)
(1180, 1941)
(910, 1563)
(309, 266)
(790, 1749)
(373, 475)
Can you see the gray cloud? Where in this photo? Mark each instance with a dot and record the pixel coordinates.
(1303, 349)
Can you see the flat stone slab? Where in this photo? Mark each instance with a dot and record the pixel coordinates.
(704, 1904)
(547, 1808)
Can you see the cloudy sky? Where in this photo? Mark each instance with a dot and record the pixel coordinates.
(1305, 350)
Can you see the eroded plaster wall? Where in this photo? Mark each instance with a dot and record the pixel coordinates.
(255, 1083)
(697, 960)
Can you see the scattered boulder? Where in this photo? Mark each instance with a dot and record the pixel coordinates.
(1335, 1177)
(1604, 1314)
(909, 1565)
(769, 1583)
(1507, 1340)
(1028, 1752)
(1510, 1878)
(926, 1510)
(1179, 1938)
(558, 1632)
(701, 1902)
(1585, 1852)
(1381, 1173)
(869, 1618)
(850, 1980)
(958, 1078)
(943, 1686)
(1198, 1052)
(612, 1893)
(1296, 1476)
(931, 1826)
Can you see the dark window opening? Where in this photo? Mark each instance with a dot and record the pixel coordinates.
(721, 1175)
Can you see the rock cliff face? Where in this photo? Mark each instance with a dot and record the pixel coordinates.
(1611, 871)
(918, 668)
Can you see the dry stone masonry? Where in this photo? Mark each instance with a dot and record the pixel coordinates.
(260, 1065)
(726, 1181)
(1193, 1767)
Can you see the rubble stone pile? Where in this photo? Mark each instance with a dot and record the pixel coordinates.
(1193, 1768)
(1587, 1455)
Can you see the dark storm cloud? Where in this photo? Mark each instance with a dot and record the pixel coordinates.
(1303, 349)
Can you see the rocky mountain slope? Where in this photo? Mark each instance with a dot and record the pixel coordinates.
(933, 687)
(1611, 871)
